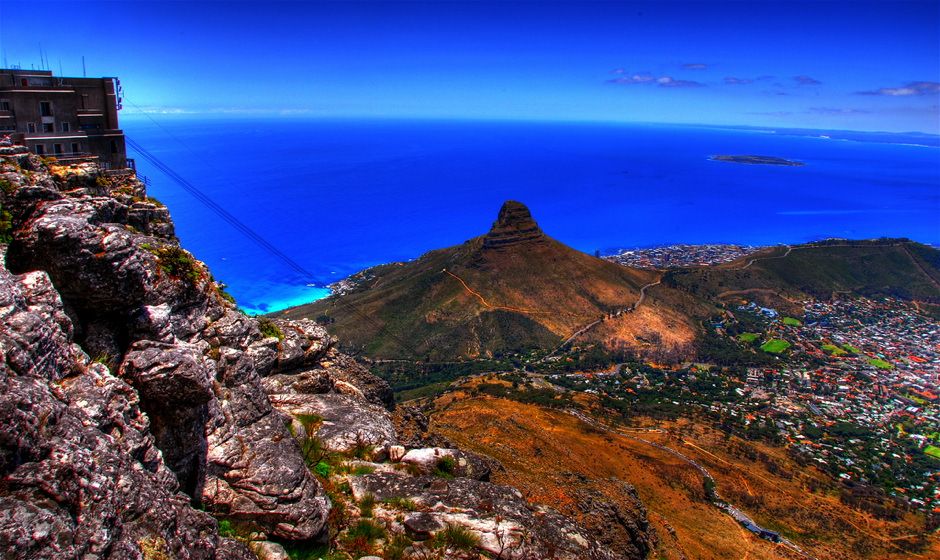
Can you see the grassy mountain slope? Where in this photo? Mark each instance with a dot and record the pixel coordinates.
(512, 289)
(889, 267)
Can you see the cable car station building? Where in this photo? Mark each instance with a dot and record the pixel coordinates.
(71, 119)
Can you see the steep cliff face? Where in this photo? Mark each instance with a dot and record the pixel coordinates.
(138, 405)
(167, 346)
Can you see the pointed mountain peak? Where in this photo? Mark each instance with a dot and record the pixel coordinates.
(514, 225)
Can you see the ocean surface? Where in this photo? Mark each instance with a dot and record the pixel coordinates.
(341, 195)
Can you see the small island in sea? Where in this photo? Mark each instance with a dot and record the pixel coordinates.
(757, 160)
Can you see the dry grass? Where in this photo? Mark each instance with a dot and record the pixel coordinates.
(546, 454)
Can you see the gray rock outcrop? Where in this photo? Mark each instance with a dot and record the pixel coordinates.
(139, 304)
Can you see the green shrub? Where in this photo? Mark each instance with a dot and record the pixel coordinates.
(269, 329)
(313, 451)
(397, 502)
(446, 467)
(362, 450)
(175, 262)
(323, 469)
(308, 551)
(6, 226)
(361, 470)
(225, 295)
(457, 537)
(366, 529)
(226, 529)
(366, 505)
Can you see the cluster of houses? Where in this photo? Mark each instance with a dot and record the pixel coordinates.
(869, 370)
(680, 255)
(856, 393)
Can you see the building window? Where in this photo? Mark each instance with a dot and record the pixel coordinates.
(45, 108)
(65, 127)
(31, 127)
(57, 149)
(40, 149)
(76, 147)
(5, 105)
(48, 127)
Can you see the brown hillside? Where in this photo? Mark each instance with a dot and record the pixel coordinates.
(512, 289)
(551, 456)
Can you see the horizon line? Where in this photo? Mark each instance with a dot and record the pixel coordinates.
(311, 115)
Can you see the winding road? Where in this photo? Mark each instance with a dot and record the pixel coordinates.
(752, 261)
(617, 313)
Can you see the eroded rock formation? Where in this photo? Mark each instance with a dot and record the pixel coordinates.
(514, 225)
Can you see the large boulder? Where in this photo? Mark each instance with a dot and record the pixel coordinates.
(82, 476)
(345, 423)
(454, 462)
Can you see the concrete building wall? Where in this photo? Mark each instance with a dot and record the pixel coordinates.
(63, 117)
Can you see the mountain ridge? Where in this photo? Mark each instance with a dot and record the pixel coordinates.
(517, 290)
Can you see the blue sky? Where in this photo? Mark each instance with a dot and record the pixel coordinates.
(840, 65)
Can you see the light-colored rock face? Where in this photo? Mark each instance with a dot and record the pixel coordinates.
(451, 461)
(347, 422)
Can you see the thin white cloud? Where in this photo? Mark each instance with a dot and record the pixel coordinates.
(647, 78)
(911, 89)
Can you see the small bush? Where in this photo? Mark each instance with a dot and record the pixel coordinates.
(367, 529)
(361, 470)
(313, 452)
(226, 529)
(366, 505)
(362, 450)
(457, 537)
(269, 329)
(446, 467)
(225, 295)
(305, 551)
(398, 502)
(175, 262)
(322, 469)
(6, 226)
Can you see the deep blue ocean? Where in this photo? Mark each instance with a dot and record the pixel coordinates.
(341, 195)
